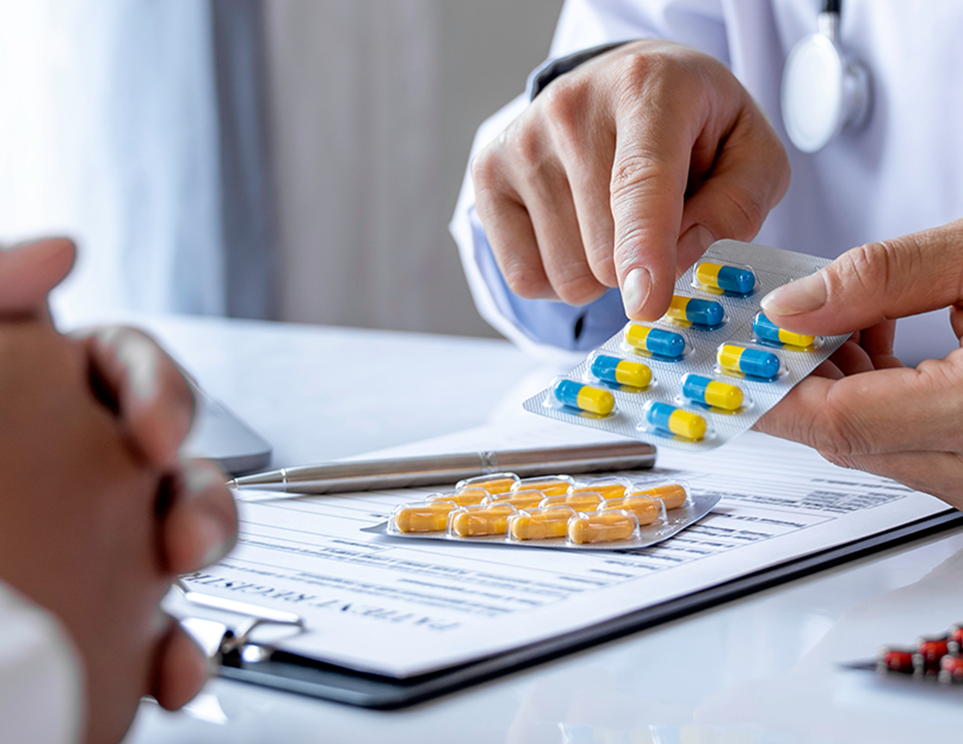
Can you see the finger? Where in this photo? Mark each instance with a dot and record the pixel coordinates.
(200, 527)
(878, 342)
(956, 321)
(889, 410)
(851, 359)
(590, 194)
(151, 396)
(560, 242)
(649, 176)
(586, 153)
(936, 473)
(181, 669)
(749, 177)
(509, 230)
(828, 370)
(28, 272)
(873, 283)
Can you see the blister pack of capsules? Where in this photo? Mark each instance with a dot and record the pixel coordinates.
(930, 658)
(552, 512)
(708, 369)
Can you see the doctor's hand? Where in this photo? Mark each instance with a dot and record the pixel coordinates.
(864, 409)
(622, 172)
(97, 512)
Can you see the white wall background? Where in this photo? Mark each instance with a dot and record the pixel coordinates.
(374, 104)
(108, 132)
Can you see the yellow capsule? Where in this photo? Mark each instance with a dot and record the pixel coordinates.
(723, 395)
(549, 485)
(526, 499)
(461, 496)
(769, 331)
(621, 371)
(584, 397)
(540, 524)
(743, 360)
(602, 526)
(796, 339)
(480, 519)
(429, 516)
(728, 278)
(668, 418)
(655, 341)
(579, 501)
(707, 274)
(607, 488)
(672, 495)
(646, 510)
(711, 392)
(493, 483)
(707, 313)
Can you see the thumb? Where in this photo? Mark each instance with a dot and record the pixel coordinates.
(29, 271)
(875, 282)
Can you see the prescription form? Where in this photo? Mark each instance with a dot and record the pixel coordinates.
(401, 607)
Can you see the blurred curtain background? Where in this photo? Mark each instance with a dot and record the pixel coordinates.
(288, 159)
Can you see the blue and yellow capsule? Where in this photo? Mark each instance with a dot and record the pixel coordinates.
(655, 341)
(751, 362)
(621, 371)
(669, 419)
(726, 278)
(708, 313)
(769, 331)
(584, 397)
(711, 392)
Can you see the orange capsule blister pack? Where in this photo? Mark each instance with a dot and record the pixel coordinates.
(552, 512)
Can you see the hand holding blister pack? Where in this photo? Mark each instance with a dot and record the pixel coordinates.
(708, 369)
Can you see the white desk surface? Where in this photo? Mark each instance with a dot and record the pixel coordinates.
(759, 670)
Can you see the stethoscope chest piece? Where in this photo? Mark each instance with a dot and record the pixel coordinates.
(823, 91)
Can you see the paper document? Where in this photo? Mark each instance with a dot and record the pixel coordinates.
(404, 607)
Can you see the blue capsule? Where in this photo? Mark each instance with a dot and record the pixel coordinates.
(621, 371)
(677, 421)
(727, 278)
(584, 397)
(752, 362)
(769, 331)
(655, 341)
(711, 392)
(707, 313)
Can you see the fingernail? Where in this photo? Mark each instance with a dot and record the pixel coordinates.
(801, 296)
(139, 356)
(635, 291)
(216, 515)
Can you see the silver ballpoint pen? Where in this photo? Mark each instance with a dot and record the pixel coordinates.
(367, 475)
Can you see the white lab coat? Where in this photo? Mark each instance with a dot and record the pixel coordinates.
(40, 693)
(902, 173)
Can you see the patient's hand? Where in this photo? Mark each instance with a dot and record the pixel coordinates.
(97, 512)
(864, 409)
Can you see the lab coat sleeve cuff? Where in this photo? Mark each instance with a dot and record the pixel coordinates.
(40, 689)
(552, 68)
(549, 330)
(542, 321)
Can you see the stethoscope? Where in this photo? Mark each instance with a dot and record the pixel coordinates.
(824, 91)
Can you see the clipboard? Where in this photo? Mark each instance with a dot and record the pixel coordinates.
(244, 660)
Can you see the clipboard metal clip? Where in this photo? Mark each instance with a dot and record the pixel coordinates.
(235, 643)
